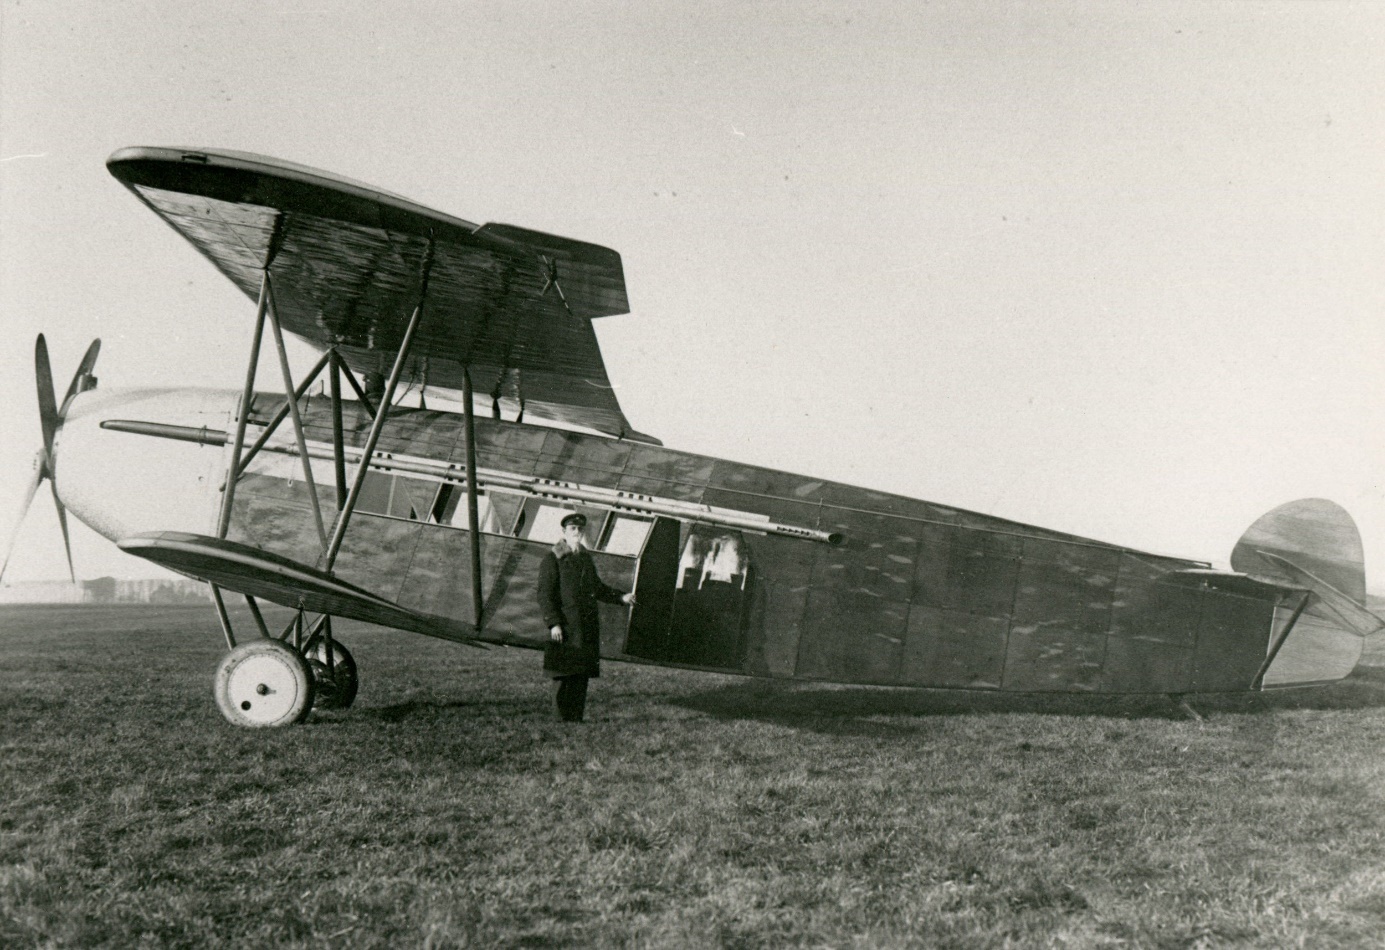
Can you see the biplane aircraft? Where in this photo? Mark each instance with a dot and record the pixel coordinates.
(359, 501)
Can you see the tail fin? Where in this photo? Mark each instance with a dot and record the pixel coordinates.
(1311, 544)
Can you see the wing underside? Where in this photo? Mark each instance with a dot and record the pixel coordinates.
(246, 570)
(348, 262)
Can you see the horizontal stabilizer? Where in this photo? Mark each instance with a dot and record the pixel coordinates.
(247, 570)
(1232, 581)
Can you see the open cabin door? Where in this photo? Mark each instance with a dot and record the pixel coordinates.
(692, 591)
(656, 581)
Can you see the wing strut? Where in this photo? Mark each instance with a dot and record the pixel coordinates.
(355, 386)
(473, 520)
(289, 393)
(224, 617)
(281, 415)
(228, 491)
(228, 487)
(378, 425)
(338, 439)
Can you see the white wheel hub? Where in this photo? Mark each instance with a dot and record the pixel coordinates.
(264, 684)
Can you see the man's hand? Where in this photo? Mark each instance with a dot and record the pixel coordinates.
(629, 599)
(555, 633)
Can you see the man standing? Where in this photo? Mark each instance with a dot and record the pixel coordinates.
(568, 591)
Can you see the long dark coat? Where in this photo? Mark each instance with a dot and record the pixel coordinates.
(569, 589)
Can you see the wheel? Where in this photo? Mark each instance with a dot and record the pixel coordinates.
(334, 688)
(264, 684)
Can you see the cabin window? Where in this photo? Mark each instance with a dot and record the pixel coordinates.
(713, 555)
(495, 511)
(397, 496)
(625, 535)
(543, 522)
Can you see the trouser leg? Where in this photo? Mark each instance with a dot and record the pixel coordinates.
(572, 697)
(579, 698)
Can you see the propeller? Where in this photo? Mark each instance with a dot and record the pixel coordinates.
(50, 420)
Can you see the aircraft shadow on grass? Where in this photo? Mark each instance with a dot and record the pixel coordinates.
(861, 710)
(857, 710)
(414, 710)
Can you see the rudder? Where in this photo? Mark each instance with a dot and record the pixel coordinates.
(1311, 544)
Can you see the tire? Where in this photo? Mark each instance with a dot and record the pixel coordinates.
(264, 685)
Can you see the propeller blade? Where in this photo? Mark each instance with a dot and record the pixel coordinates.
(62, 522)
(29, 491)
(49, 419)
(47, 404)
(83, 369)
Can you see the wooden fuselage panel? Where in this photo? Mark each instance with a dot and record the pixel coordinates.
(917, 594)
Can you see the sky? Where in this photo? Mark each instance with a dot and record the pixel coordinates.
(1114, 269)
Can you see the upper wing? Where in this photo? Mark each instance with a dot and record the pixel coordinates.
(347, 263)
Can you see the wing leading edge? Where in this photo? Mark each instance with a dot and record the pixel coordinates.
(347, 263)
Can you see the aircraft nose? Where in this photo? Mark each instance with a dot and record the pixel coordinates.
(127, 479)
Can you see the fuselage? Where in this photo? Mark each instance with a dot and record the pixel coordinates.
(737, 568)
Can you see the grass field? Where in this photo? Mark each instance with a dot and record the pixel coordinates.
(449, 808)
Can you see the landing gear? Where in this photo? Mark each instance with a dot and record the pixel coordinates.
(276, 681)
(263, 684)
